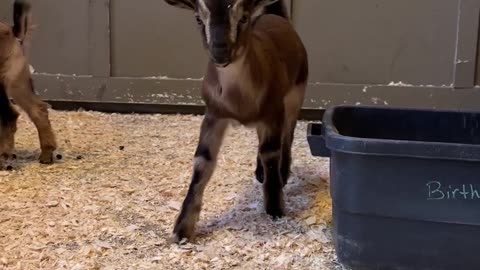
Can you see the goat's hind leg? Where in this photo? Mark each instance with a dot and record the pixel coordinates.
(270, 150)
(293, 104)
(259, 174)
(37, 110)
(286, 155)
(211, 136)
(39, 116)
(288, 136)
(8, 121)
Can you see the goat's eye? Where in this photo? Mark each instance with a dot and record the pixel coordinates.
(244, 19)
(199, 21)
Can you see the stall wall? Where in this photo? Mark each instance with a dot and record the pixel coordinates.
(372, 52)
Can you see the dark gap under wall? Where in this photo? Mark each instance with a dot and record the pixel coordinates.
(127, 108)
(477, 76)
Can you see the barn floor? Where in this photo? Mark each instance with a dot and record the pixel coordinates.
(111, 201)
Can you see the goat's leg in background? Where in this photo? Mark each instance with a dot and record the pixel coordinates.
(293, 104)
(8, 121)
(259, 169)
(23, 95)
(212, 132)
(286, 154)
(288, 135)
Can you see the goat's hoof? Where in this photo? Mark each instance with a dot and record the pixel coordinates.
(184, 229)
(8, 156)
(259, 174)
(286, 173)
(46, 158)
(177, 239)
(4, 164)
(181, 237)
(285, 182)
(275, 212)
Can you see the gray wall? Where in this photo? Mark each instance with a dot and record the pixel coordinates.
(144, 51)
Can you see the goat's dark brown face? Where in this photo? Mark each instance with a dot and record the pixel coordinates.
(214, 20)
(224, 24)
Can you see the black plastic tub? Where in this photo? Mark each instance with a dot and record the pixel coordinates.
(405, 186)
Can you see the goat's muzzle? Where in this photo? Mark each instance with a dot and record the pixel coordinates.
(220, 54)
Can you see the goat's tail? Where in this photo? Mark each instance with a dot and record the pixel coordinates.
(278, 8)
(21, 19)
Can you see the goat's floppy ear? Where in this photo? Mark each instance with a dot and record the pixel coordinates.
(21, 18)
(187, 4)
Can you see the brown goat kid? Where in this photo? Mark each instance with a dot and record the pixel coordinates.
(16, 84)
(256, 75)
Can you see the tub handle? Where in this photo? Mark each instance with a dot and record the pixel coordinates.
(316, 140)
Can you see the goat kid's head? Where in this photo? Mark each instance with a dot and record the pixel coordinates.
(224, 24)
(14, 35)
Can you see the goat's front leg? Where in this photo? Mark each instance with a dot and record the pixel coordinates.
(270, 150)
(211, 137)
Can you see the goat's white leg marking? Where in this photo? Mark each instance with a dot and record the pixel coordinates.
(211, 137)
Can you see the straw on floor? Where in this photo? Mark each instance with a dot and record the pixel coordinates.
(110, 202)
